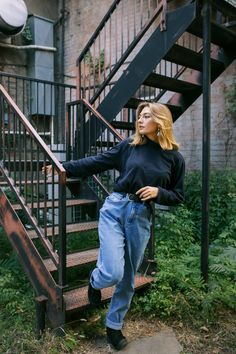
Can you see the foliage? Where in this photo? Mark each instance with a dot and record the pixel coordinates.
(27, 34)
(96, 65)
(178, 289)
(231, 100)
(222, 200)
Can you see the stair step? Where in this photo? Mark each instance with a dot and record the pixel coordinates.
(71, 228)
(123, 125)
(170, 84)
(77, 298)
(48, 180)
(190, 59)
(220, 35)
(74, 259)
(48, 204)
(175, 110)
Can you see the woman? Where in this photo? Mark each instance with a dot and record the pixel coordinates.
(151, 169)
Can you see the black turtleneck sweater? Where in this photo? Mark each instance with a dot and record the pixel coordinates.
(139, 166)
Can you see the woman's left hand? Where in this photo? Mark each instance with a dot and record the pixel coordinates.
(147, 193)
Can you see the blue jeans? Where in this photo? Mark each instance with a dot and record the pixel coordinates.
(124, 230)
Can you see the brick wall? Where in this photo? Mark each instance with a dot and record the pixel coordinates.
(82, 21)
(188, 128)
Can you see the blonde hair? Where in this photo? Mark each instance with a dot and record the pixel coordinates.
(161, 115)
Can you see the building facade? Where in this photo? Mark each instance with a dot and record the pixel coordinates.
(72, 23)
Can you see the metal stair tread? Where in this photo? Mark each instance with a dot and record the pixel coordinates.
(190, 59)
(70, 228)
(74, 259)
(48, 204)
(77, 298)
(123, 125)
(170, 84)
(220, 35)
(134, 102)
(48, 180)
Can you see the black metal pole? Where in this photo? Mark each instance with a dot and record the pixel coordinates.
(206, 13)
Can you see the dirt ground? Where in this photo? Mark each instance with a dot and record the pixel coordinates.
(215, 338)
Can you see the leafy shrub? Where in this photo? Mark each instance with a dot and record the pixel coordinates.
(222, 200)
(179, 289)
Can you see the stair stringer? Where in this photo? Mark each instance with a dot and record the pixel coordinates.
(153, 51)
(32, 263)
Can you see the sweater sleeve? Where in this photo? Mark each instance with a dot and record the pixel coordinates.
(94, 164)
(175, 194)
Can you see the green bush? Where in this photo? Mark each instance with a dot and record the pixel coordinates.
(178, 289)
(222, 200)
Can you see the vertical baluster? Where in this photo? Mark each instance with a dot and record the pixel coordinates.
(53, 208)
(32, 175)
(104, 52)
(14, 146)
(110, 45)
(116, 36)
(44, 210)
(92, 70)
(141, 14)
(122, 27)
(38, 185)
(20, 155)
(25, 163)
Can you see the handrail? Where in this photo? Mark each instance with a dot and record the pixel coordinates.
(98, 29)
(34, 134)
(76, 117)
(17, 76)
(226, 7)
(98, 44)
(101, 118)
(18, 153)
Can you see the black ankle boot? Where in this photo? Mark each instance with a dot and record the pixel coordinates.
(116, 338)
(94, 295)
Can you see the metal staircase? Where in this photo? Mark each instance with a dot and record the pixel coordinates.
(158, 59)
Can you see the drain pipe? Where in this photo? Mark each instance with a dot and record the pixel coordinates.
(24, 47)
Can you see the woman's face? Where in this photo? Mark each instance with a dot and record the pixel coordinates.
(146, 124)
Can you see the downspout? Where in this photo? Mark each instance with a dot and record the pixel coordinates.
(31, 46)
(63, 42)
(61, 21)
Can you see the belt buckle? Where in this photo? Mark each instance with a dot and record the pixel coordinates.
(134, 197)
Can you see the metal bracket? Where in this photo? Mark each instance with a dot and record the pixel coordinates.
(163, 16)
(40, 306)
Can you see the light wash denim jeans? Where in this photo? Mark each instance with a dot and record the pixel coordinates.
(124, 230)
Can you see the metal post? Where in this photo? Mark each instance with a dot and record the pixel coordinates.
(206, 13)
(40, 306)
(62, 235)
(81, 131)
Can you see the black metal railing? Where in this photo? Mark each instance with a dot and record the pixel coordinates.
(122, 31)
(44, 104)
(23, 153)
(90, 134)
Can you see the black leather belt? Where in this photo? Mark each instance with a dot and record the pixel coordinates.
(134, 197)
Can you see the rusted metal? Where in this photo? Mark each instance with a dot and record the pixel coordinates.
(55, 204)
(119, 61)
(70, 228)
(32, 132)
(74, 259)
(78, 298)
(163, 15)
(33, 265)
